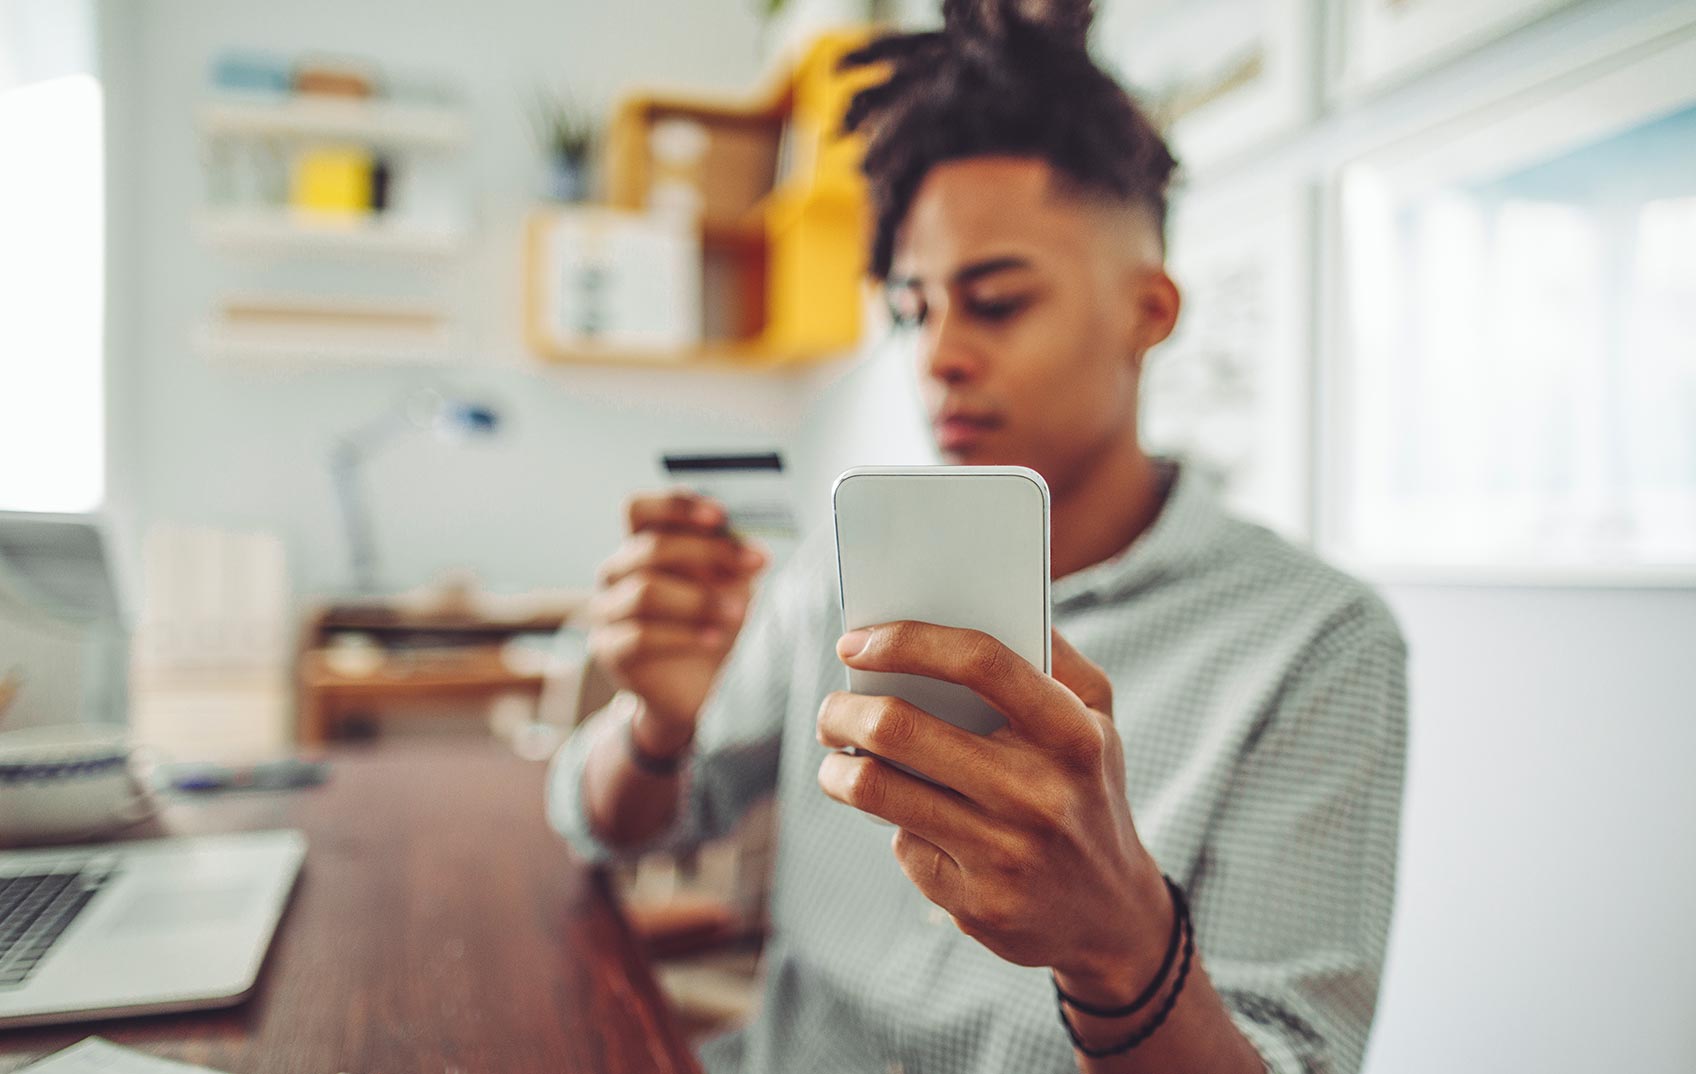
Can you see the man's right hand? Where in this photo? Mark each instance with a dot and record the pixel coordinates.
(668, 605)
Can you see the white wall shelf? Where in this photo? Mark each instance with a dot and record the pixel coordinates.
(252, 148)
(376, 123)
(245, 346)
(271, 230)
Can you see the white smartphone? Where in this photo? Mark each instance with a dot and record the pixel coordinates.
(960, 546)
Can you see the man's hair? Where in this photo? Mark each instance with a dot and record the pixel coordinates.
(1001, 78)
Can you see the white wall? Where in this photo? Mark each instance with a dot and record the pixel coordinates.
(244, 448)
(861, 413)
(1548, 868)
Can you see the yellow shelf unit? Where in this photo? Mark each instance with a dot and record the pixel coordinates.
(784, 217)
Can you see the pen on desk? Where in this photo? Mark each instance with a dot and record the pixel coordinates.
(283, 774)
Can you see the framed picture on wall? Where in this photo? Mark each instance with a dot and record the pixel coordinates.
(1384, 41)
(1229, 392)
(1221, 76)
(1513, 361)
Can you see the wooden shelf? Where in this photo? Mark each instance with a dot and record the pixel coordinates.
(282, 229)
(541, 612)
(279, 326)
(720, 358)
(747, 234)
(373, 122)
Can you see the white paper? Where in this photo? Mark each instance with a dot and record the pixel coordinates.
(96, 1055)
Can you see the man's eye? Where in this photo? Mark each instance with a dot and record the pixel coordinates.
(998, 310)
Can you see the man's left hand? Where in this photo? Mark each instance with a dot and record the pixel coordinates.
(1025, 837)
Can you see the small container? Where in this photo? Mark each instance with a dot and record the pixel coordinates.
(67, 782)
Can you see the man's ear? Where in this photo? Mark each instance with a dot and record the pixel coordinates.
(1156, 300)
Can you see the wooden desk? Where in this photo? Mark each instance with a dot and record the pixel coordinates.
(438, 927)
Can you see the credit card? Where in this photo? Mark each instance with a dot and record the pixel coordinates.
(751, 487)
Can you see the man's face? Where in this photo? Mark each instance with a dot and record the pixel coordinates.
(1031, 315)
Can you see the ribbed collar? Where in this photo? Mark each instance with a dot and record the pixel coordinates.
(1190, 525)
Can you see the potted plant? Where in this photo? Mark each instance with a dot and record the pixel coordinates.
(568, 134)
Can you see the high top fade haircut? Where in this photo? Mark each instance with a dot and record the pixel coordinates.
(1001, 78)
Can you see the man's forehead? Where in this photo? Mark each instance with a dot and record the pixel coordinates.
(990, 208)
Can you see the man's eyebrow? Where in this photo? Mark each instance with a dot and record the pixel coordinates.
(977, 270)
(974, 271)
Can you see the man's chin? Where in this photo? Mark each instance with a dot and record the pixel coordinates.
(959, 456)
(975, 455)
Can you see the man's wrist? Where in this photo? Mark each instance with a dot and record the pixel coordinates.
(1112, 976)
(658, 742)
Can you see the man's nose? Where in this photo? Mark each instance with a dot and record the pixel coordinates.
(946, 356)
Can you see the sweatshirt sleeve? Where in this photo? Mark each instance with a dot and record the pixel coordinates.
(733, 762)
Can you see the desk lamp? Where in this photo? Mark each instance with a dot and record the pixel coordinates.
(451, 419)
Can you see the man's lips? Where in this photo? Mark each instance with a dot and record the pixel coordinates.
(962, 431)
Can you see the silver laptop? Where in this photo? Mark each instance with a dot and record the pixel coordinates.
(139, 928)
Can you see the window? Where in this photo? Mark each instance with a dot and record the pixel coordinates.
(1520, 344)
(52, 223)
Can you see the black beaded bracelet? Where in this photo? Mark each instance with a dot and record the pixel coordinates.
(1181, 909)
(1153, 989)
(651, 763)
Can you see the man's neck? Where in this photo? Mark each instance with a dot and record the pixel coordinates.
(1100, 514)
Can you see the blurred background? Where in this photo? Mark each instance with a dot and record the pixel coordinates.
(333, 334)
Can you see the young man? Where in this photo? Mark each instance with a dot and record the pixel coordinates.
(1224, 710)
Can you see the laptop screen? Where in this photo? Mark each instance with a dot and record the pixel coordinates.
(63, 641)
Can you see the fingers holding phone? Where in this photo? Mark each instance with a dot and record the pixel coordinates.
(670, 601)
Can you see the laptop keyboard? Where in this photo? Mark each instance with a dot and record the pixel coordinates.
(38, 906)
